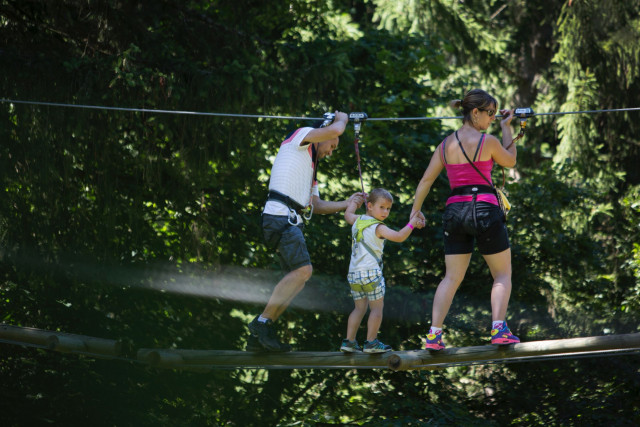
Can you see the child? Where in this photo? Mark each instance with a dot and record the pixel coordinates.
(365, 269)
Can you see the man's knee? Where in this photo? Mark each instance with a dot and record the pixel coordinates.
(304, 272)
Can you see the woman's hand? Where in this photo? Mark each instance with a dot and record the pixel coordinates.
(507, 116)
(417, 220)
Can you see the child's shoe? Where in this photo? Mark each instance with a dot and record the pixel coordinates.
(376, 346)
(503, 335)
(350, 346)
(434, 342)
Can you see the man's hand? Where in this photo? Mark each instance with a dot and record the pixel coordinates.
(341, 117)
(357, 198)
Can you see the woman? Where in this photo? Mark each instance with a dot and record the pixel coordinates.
(472, 211)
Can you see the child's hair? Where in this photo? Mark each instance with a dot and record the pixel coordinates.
(475, 98)
(379, 193)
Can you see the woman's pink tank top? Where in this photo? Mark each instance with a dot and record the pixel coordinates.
(461, 174)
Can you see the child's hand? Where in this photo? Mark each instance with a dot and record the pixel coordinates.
(357, 199)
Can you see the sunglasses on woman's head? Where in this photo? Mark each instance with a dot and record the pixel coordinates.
(491, 113)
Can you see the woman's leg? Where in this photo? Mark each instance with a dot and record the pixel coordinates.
(500, 266)
(456, 267)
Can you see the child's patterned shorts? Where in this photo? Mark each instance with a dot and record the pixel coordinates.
(364, 277)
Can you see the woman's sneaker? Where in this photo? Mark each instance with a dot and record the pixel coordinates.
(350, 346)
(376, 346)
(503, 335)
(434, 342)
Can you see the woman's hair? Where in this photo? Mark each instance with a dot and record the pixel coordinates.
(379, 193)
(475, 98)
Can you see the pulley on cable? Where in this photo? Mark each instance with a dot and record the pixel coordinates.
(523, 114)
(501, 192)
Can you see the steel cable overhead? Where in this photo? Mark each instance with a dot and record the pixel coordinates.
(263, 116)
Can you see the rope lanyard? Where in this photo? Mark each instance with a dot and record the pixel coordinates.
(523, 114)
(358, 118)
(308, 213)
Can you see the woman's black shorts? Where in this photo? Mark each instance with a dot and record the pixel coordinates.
(463, 222)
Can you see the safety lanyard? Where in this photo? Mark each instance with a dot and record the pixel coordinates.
(523, 114)
(308, 213)
(358, 118)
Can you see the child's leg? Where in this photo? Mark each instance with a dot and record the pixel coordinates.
(375, 318)
(355, 318)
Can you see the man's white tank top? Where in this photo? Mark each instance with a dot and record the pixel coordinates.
(292, 173)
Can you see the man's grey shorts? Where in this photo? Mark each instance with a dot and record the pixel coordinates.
(287, 239)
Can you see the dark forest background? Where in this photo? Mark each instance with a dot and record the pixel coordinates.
(144, 227)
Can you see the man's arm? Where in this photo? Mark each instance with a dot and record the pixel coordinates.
(332, 131)
(327, 207)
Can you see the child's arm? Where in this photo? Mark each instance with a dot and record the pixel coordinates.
(350, 213)
(385, 232)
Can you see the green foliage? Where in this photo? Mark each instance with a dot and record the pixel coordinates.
(145, 226)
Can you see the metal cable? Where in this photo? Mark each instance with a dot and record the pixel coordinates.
(261, 116)
(154, 111)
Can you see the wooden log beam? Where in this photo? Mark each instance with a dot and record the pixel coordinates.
(204, 360)
(517, 352)
(185, 359)
(397, 360)
(60, 341)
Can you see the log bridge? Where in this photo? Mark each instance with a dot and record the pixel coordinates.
(206, 360)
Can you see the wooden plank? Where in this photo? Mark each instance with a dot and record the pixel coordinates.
(521, 351)
(397, 360)
(179, 359)
(204, 360)
(61, 341)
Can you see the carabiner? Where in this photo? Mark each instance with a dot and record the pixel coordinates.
(292, 216)
(308, 211)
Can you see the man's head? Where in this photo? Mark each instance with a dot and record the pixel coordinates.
(325, 148)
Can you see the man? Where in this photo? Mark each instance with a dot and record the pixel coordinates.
(292, 189)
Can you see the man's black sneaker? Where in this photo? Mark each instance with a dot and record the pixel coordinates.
(253, 344)
(266, 336)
